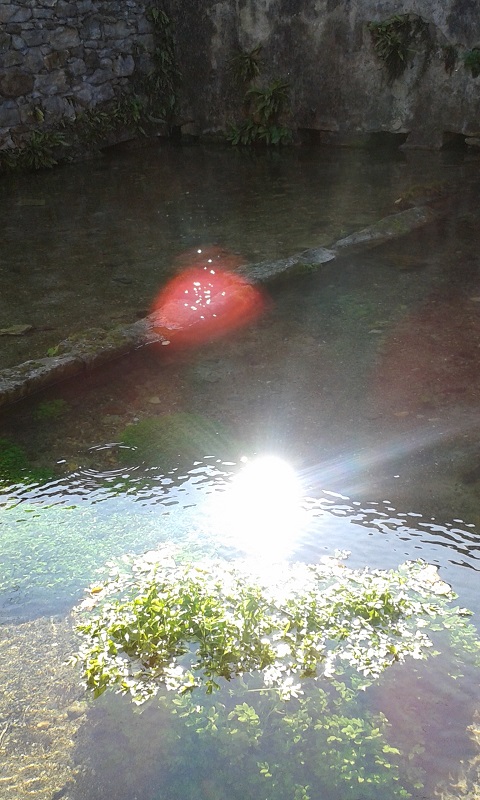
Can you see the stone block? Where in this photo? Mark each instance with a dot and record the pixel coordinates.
(13, 59)
(56, 106)
(16, 83)
(100, 76)
(63, 38)
(35, 38)
(84, 6)
(77, 67)
(33, 60)
(17, 42)
(54, 83)
(91, 29)
(64, 10)
(5, 42)
(14, 14)
(42, 13)
(56, 60)
(19, 382)
(117, 30)
(92, 60)
(83, 94)
(103, 93)
(9, 115)
(123, 66)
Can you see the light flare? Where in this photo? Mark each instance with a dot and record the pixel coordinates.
(261, 511)
(227, 300)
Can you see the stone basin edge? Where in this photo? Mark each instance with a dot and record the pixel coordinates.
(93, 348)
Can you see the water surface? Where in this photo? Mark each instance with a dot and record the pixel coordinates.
(363, 376)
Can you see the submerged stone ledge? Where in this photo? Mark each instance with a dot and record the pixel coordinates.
(92, 348)
(388, 228)
(76, 355)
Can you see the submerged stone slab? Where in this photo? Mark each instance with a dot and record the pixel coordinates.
(75, 355)
(19, 382)
(93, 348)
(388, 228)
(266, 271)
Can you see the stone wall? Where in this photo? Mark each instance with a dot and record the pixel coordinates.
(340, 90)
(58, 57)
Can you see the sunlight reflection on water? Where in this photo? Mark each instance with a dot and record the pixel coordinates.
(217, 506)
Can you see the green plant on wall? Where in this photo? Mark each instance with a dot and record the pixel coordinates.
(160, 85)
(471, 61)
(262, 125)
(268, 103)
(245, 65)
(148, 100)
(397, 39)
(42, 149)
(264, 106)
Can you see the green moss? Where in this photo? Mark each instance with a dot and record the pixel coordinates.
(15, 466)
(471, 61)
(51, 409)
(176, 440)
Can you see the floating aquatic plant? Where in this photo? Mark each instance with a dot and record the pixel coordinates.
(184, 625)
(262, 669)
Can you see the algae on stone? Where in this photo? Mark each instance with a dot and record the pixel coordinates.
(16, 468)
(176, 440)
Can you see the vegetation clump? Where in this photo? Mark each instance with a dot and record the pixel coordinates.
(471, 61)
(396, 39)
(185, 625)
(148, 101)
(263, 670)
(245, 65)
(264, 106)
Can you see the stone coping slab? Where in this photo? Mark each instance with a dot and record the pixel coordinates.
(95, 347)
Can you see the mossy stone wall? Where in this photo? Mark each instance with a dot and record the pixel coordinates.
(340, 89)
(58, 58)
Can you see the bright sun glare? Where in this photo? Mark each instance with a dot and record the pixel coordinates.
(261, 510)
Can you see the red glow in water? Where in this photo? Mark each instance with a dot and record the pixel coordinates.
(206, 300)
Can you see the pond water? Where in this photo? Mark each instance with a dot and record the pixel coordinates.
(362, 375)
